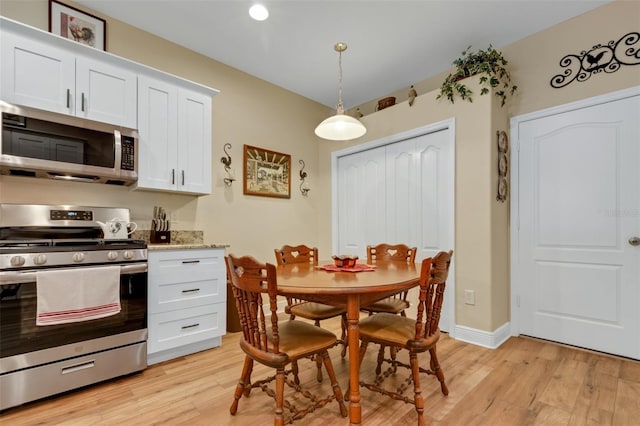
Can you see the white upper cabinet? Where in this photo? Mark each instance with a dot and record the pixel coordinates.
(36, 74)
(105, 92)
(194, 142)
(158, 134)
(175, 137)
(40, 74)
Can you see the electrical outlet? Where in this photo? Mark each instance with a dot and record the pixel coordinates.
(469, 297)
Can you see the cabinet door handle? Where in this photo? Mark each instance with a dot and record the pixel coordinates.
(68, 98)
(190, 261)
(184, 327)
(191, 290)
(173, 176)
(183, 178)
(82, 99)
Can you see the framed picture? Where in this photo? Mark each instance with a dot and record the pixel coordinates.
(266, 173)
(76, 25)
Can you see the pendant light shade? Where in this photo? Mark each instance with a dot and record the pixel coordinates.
(340, 127)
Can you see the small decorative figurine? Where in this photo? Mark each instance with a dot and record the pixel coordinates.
(412, 95)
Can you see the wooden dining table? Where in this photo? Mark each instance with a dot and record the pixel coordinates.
(352, 290)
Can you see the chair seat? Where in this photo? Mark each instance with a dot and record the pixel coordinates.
(315, 311)
(390, 304)
(395, 330)
(390, 328)
(299, 339)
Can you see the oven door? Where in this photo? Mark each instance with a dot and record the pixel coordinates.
(23, 344)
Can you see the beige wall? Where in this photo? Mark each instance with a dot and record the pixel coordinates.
(249, 111)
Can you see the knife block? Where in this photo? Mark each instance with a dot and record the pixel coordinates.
(159, 237)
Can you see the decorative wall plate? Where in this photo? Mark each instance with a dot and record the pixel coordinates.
(503, 164)
(503, 189)
(503, 141)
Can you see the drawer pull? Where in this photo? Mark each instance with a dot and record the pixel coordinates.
(79, 367)
(184, 327)
(190, 261)
(191, 290)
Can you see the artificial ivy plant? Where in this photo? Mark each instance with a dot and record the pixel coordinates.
(489, 64)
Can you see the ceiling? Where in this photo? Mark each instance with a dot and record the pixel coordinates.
(391, 44)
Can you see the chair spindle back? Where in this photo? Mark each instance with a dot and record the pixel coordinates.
(433, 281)
(250, 280)
(395, 252)
(296, 254)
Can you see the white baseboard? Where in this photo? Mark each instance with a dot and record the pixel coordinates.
(487, 339)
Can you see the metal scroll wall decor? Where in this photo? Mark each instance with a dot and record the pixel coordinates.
(609, 58)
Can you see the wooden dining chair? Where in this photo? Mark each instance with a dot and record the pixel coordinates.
(397, 303)
(313, 311)
(415, 336)
(275, 344)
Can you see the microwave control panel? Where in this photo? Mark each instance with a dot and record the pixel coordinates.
(128, 153)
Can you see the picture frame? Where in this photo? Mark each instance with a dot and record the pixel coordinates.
(74, 24)
(266, 173)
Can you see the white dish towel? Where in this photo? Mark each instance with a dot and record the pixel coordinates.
(78, 294)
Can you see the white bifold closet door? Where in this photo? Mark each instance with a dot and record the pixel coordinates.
(399, 193)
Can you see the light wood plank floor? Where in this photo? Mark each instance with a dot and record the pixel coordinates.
(524, 382)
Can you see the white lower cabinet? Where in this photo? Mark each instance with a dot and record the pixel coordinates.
(187, 302)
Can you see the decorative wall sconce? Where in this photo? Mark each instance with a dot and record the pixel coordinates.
(230, 177)
(304, 185)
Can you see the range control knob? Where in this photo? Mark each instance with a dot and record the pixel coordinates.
(17, 261)
(112, 255)
(40, 259)
(78, 257)
(128, 254)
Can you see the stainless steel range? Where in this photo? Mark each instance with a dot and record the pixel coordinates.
(73, 305)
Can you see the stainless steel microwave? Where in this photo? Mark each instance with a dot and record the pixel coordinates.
(44, 144)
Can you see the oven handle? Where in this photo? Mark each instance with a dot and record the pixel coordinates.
(20, 277)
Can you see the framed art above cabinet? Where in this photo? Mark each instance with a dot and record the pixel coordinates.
(74, 24)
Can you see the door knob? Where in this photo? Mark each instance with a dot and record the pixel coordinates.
(634, 241)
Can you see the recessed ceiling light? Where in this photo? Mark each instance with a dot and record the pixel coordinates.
(258, 12)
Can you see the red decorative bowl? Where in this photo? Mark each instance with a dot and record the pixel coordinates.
(345, 261)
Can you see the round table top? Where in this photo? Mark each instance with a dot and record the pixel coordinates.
(308, 279)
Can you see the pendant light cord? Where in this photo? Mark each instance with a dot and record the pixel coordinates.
(340, 105)
(340, 47)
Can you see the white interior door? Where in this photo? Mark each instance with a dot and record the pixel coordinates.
(401, 192)
(577, 273)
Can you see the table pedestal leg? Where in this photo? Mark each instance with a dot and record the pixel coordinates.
(353, 316)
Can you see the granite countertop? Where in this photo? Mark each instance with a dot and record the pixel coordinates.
(184, 246)
(179, 240)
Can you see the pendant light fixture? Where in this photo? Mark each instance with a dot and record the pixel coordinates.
(340, 127)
